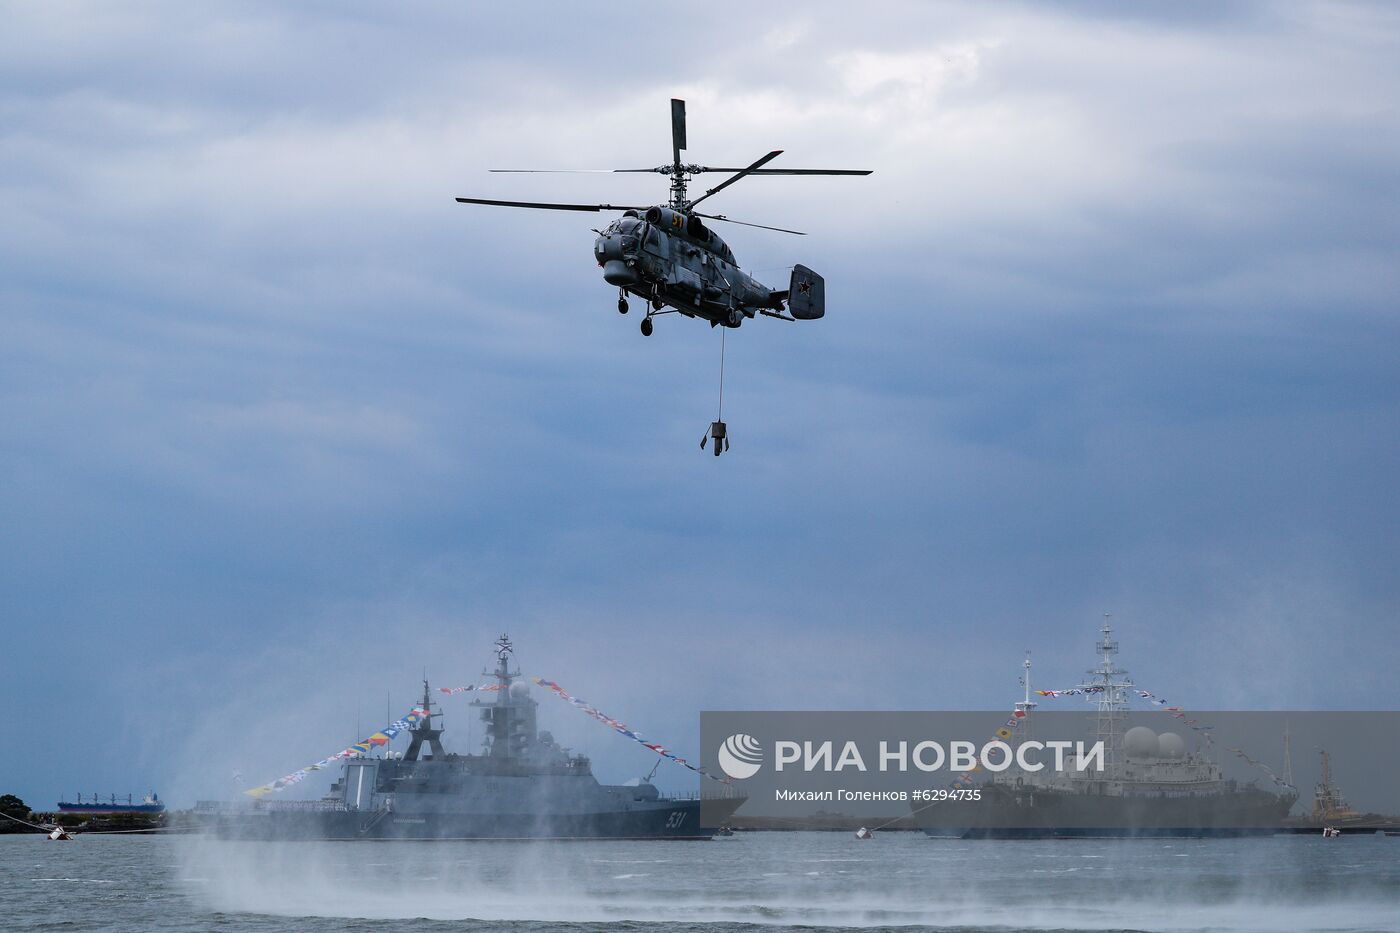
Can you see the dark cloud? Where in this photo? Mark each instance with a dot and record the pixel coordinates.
(1112, 327)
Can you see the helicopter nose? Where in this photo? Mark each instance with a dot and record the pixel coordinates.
(600, 249)
(607, 247)
(617, 272)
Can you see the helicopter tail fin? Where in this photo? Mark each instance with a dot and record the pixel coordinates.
(806, 294)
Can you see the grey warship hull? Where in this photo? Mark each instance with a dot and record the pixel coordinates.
(467, 797)
(1004, 813)
(679, 820)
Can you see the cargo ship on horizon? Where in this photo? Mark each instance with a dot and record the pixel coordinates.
(149, 804)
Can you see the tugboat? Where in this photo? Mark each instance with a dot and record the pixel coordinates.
(1152, 785)
(522, 785)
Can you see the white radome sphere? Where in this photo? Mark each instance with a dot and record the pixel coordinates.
(1140, 742)
(1171, 745)
(519, 690)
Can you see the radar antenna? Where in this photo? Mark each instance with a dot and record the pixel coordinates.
(1109, 683)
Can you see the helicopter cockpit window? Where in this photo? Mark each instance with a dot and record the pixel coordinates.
(631, 229)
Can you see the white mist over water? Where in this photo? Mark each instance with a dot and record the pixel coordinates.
(817, 880)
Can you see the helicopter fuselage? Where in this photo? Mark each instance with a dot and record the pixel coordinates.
(669, 258)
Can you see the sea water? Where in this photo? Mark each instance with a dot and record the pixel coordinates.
(817, 881)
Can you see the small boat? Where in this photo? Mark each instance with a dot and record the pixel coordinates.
(864, 833)
(724, 831)
(59, 834)
(1330, 832)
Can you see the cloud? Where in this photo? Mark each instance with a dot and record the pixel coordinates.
(1112, 326)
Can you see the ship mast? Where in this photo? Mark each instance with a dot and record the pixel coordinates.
(424, 730)
(1110, 684)
(510, 719)
(504, 649)
(1287, 756)
(1026, 705)
(1328, 802)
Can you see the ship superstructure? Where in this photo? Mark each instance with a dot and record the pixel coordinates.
(1329, 806)
(1137, 760)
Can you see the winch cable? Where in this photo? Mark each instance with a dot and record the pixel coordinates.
(155, 830)
(722, 334)
(26, 823)
(718, 431)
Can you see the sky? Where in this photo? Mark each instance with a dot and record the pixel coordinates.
(1111, 328)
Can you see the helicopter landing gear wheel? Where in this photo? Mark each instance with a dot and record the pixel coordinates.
(621, 304)
(657, 304)
(646, 326)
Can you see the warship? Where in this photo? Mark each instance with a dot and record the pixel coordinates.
(1151, 785)
(522, 785)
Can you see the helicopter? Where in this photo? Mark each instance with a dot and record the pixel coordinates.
(666, 255)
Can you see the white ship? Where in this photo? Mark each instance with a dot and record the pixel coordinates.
(1151, 784)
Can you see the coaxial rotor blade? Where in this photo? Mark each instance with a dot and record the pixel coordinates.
(661, 170)
(677, 130)
(692, 170)
(785, 171)
(745, 223)
(708, 169)
(742, 172)
(544, 206)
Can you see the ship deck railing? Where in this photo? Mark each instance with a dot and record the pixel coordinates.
(714, 791)
(267, 806)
